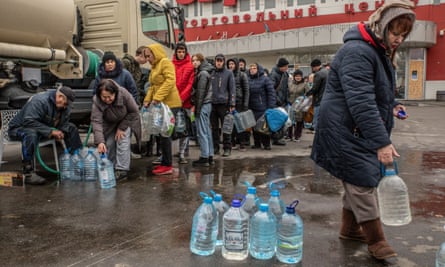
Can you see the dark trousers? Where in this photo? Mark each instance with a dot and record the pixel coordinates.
(216, 120)
(261, 139)
(295, 130)
(166, 146)
(30, 138)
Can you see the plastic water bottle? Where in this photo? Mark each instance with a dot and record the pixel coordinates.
(227, 126)
(204, 229)
(276, 204)
(77, 163)
(251, 202)
(235, 233)
(90, 166)
(66, 168)
(145, 124)
(180, 122)
(221, 207)
(440, 256)
(393, 198)
(263, 233)
(290, 236)
(106, 172)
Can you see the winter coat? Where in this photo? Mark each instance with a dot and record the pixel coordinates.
(318, 86)
(296, 90)
(262, 93)
(241, 85)
(184, 79)
(202, 86)
(223, 87)
(121, 114)
(356, 110)
(280, 84)
(162, 80)
(121, 76)
(40, 113)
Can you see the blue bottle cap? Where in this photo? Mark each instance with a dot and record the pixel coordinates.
(291, 208)
(236, 203)
(251, 190)
(389, 172)
(217, 197)
(264, 207)
(208, 200)
(275, 193)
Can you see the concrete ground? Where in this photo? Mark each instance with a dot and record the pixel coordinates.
(146, 220)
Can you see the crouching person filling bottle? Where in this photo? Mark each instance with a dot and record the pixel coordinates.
(356, 117)
(114, 116)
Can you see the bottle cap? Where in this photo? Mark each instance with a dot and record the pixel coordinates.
(264, 207)
(236, 203)
(389, 172)
(251, 190)
(291, 208)
(275, 193)
(217, 197)
(208, 200)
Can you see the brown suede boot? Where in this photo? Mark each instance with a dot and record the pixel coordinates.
(350, 230)
(377, 245)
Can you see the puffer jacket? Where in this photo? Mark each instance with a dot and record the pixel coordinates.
(162, 80)
(202, 86)
(262, 93)
(122, 113)
(241, 86)
(184, 79)
(356, 110)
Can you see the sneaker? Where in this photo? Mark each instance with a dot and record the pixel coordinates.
(226, 153)
(297, 140)
(279, 143)
(201, 162)
(163, 170)
(27, 168)
(135, 156)
(157, 161)
(34, 179)
(242, 148)
(120, 174)
(182, 160)
(211, 161)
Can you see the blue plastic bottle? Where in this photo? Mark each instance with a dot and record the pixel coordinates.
(204, 229)
(106, 172)
(290, 236)
(235, 233)
(221, 207)
(251, 202)
(276, 204)
(90, 166)
(263, 233)
(66, 168)
(77, 163)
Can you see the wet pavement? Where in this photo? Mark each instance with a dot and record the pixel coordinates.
(146, 220)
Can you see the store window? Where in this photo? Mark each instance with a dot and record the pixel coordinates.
(244, 5)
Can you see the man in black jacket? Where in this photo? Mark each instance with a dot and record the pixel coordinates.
(45, 115)
(317, 90)
(223, 102)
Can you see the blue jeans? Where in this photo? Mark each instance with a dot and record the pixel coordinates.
(203, 131)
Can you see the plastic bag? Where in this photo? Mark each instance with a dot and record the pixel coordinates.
(145, 124)
(276, 118)
(168, 121)
(155, 119)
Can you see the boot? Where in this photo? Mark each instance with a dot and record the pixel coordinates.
(204, 162)
(350, 230)
(377, 245)
(34, 179)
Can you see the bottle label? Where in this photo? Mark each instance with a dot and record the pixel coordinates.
(235, 240)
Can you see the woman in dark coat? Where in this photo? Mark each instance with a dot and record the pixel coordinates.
(356, 118)
(261, 98)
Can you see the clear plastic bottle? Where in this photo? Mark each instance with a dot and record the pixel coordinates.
(290, 236)
(204, 229)
(276, 204)
(235, 233)
(251, 202)
(393, 198)
(90, 166)
(145, 124)
(106, 172)
(221, 207)
(263, 234)
(227, 126)
(66, 168)
(440, 256)
(180, 121)
(77, 163)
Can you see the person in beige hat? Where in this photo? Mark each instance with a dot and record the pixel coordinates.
(356, 117)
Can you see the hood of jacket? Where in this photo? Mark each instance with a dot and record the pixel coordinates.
(206, 66)
(158, 52)
(259, 73)
(235, 60)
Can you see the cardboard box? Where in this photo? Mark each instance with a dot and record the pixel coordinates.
(11, 179)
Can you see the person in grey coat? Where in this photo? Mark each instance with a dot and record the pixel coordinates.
(357, 113)
(114, 115)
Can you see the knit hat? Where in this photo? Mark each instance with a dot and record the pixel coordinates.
(282, 62)
(315, 63)
(379, 20)
(66, 91)
(107, 56)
